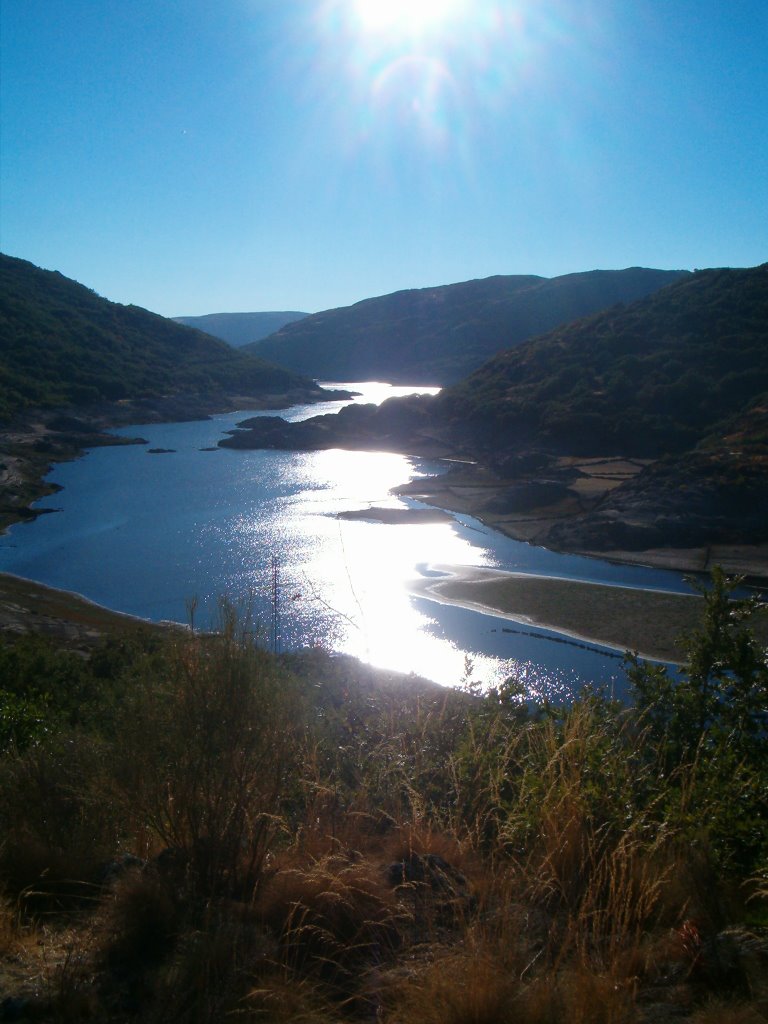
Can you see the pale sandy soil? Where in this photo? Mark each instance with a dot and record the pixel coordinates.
(648, 622)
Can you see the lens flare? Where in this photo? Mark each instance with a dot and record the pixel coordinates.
(411, 16)
(418, 92)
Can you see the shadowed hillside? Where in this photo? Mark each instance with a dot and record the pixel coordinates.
(438, 335)
(64, 345)
(653, 378)
(680, 376)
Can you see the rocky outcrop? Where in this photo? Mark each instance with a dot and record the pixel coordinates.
(395, 425)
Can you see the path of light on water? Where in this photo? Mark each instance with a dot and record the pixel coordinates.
(359, 571)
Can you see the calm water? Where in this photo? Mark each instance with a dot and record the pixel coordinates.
(146, 534)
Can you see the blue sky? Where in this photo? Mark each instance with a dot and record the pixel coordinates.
(196, 157)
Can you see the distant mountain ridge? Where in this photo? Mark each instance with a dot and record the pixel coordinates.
(62, 344)
(239, 329)
(439, 335)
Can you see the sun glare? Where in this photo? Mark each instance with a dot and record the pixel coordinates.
(411, 16)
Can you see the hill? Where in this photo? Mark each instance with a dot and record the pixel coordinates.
(239, 329)
(439, 335)
(63, 345)
(654, 378)
(678, 380)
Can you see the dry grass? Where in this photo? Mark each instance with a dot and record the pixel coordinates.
(280, 997)
(334, 917)
(455, 988)
(719, 1012)
(61, 831)
(9, 929)
(204, 760)
(488, 986)
(438, 862)
(140, 920)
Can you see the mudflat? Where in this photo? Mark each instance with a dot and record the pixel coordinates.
(645, 621)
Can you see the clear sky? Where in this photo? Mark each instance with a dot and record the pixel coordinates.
(193, 157)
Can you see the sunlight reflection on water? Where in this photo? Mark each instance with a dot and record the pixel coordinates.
(346, 584)
(356, 572)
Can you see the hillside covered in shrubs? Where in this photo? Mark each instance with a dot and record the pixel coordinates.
(197, 830)
(656, 377)
(63, 345)
(678, 379)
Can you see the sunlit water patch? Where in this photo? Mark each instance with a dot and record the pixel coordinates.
(148, 534)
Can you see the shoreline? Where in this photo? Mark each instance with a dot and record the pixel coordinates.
(27, 606)
(647, 622)
(31, 447)
(34, 442)
(471, 498)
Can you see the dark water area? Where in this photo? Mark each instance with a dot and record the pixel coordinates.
(148, 534)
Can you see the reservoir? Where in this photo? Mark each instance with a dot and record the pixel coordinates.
(156, 535)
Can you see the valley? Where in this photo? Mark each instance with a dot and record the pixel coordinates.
(383, 512)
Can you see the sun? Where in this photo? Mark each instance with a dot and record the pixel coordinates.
(405, 16)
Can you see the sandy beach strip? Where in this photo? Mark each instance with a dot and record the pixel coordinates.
(624, 618)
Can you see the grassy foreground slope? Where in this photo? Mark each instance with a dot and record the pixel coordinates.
(62, 345)
(196, 830)
(438, 335)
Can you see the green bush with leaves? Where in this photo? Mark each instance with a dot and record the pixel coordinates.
(714, 717)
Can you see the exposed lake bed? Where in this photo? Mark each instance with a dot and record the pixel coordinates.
(647, 622)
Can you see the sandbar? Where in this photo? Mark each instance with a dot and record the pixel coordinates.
(398, 516)
(648, 622)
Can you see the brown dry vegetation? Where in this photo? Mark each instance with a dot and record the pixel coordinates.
(224, 834)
